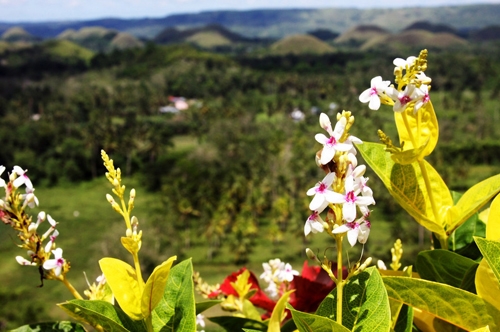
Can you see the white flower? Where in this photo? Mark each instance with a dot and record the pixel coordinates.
(322, 195)
(49, 244)
(287, 273)
(403, 98)
(57, 263)
(200, 320)
(350, 200)
(358, 230)
(422, 78)
(23, 261)
(22, 178)
(331, 144)
(272, 290)
(381, 265)
(423, 97)
(372, 95)
(2, 181)
(29, 198)
(404, 64)
(313, 224)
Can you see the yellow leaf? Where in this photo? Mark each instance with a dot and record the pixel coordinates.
(423, 127)
(155, 286)
(484, 215)
(423, 320)
(487, 286)
(279, 313)
(249, 311)
(483, 329)
(493, 223)
(122, 280)
(242, 286)
(406, 183)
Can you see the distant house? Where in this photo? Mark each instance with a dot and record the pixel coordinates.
(176, 105)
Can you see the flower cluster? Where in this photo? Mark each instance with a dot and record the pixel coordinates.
(13, 213)
(344, 188)
(277, 275)
(412, 90)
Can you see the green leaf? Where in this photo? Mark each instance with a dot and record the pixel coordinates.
(101, 313)
(62, 326)
(456, 306)
(313, 323)
(176, 310)
(122, 280)
(471, 201)
(404, 322)
(205, 305)
(250, 311)
(406, 184)
(461, 240)
(279, 312)
(231, 323)
(443, 266)
(155, 286)
(365, 304)
(491, 252)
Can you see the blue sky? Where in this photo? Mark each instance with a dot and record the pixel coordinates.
(60, 10)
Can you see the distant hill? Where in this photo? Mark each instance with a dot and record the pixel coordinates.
(124, 41)
(432, 27)
(487, 34)
(94, 38)
(214, 31)
(18, 34)
(415, 39)
(67, 49)
(359, 35)
(279, 23)
(323, 34)
(300, 44)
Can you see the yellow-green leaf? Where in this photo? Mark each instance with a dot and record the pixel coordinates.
(491, 252)
(487, 286)
(122, 280)
(406, 184)
(471, 201)
(482, 329)
(131, 245)
(493, 223)
(424, 129)
(155, 286)
(278, 313)
(250, 312)
(443, 302)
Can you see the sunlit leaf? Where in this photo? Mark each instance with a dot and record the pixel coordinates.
(155, 286)
(487, 286)
(250, 311)
(279, 312)
(493, 225)
(491, 252)
(122, 279)
(101, 313)
(456, 306)
(407, 186)
(472, 201)
(423, 128)
(130, 244)
(443, 266)
(482, 329)
(365, 304)
(176, 310)
(62, 326)
(309, 322)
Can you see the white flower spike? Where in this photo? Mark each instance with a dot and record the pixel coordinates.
(322, 194)
(331, 144)
(372, 95)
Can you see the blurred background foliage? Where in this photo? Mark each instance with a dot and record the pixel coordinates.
(223, 181)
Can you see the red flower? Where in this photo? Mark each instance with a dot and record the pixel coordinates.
(310, 289)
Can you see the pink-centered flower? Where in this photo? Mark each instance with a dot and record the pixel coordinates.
(331, 144)
(22, 178)
(403, 98)
(57, 263)
(322, 194)
(350, 200)
(358, 230)
(372, 95)
(313, 224)
(423, 97)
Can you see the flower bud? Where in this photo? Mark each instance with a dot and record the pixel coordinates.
(128, 232)
(312, 256)
(116, 183)
(2, 204)
(41, 217)
(23, 261)
(132, 194)
(110, 198)
(134, 222)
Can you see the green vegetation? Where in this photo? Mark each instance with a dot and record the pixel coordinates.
(224, 181)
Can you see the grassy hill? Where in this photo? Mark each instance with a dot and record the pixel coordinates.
(300, 44)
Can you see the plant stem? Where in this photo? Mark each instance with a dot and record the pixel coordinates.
(71, 288)
(340, 282)
(408, 129)
(138, 270)
(149, 323)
